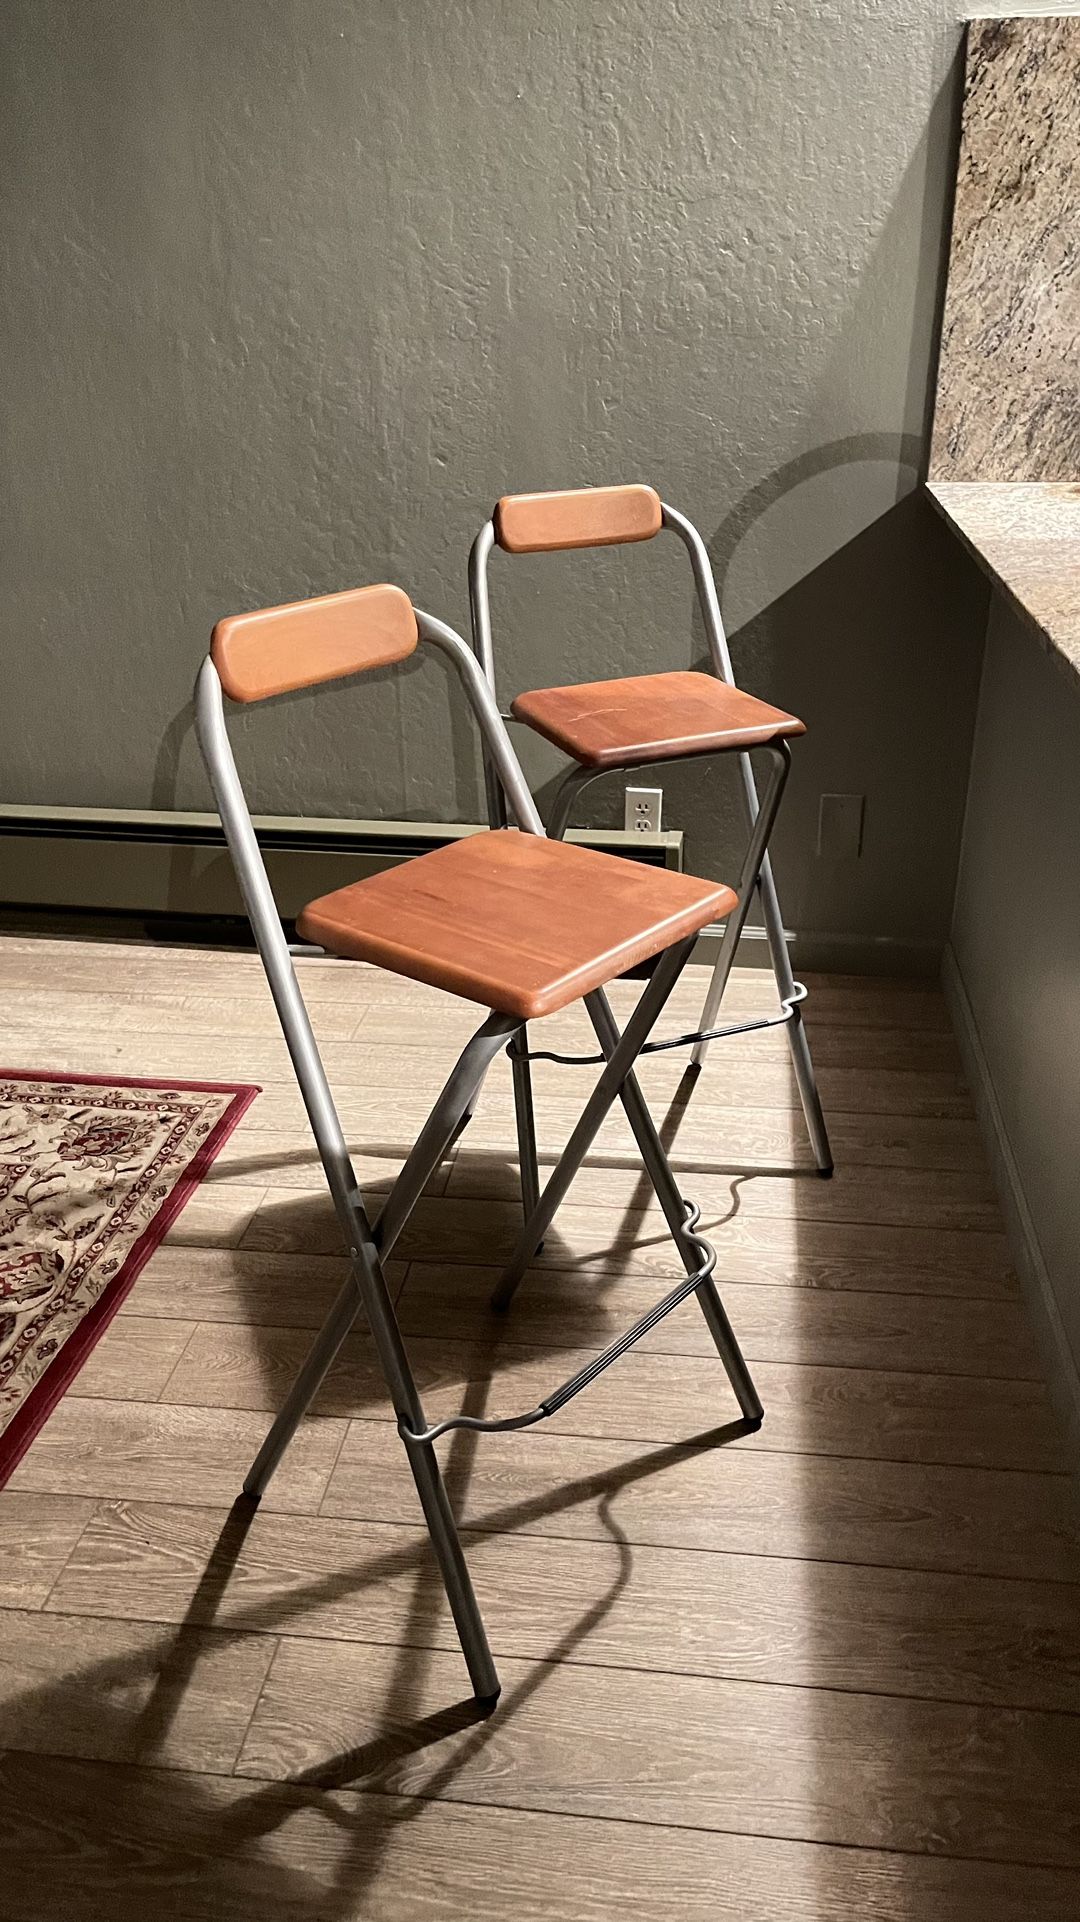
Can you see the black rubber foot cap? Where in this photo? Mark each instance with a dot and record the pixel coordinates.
(826, 1174)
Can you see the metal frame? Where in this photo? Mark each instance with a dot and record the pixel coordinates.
(756, 874)
(370, 1242)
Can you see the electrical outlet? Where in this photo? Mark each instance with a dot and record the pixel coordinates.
(641, 813)
(840, 826)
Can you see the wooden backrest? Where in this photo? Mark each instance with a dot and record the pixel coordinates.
(579, 517)
(275, 649)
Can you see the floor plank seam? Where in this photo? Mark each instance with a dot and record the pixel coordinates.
(765, 1359)
(475, 1533)
(342, 1439)
(276, 1638)
(164, 1389)
(761, 1361)
(224, 1633)
(296, 1786)
(328, 1628)
(476, 1529)
(542, 1272)
(748, 1445)
(43, 1605)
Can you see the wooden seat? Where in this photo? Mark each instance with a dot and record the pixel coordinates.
(519, 923)
(651, 717)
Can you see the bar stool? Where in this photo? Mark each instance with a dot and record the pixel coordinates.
(519, 923)
(619, 724)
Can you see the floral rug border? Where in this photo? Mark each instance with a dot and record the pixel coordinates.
(28, 1420)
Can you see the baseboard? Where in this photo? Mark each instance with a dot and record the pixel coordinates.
(141, 862)
(1060, 1363)
(814, 952)
(173, 865)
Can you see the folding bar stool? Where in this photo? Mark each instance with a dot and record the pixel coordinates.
(619, 724)
(510, 919)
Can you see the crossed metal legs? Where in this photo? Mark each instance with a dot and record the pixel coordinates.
(366, 1289)
(756, 876)
(659, 1171)
(370, 1244)
(618, 1082)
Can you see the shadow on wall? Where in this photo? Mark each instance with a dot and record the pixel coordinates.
(293, 721)
(877, 643)
(878, 650)
(900, 450)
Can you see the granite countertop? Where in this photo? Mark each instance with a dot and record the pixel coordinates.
(1005, 458)
(1008, 401)
(1026, 536)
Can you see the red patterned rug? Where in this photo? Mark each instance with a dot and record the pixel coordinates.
(93, 1170)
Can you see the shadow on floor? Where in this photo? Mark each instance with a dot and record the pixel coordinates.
(166, 1828)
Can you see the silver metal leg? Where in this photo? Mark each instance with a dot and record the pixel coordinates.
(453, 1568)
(605, 1092)
(319, 1359)
(666, 1187)
(442, 1127)
(429, 1484)
(796, 1033)
(526, 1122)
(366, 1288)
(431, 1144)
(566, 794)
(763, 818)
(757, 873)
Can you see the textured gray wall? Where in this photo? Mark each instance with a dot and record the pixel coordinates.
(1016, 934)
(293, 291)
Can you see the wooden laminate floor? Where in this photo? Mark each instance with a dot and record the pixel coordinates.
(828, 1671)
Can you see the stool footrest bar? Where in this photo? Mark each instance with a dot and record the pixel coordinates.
(559, 1397)
(786, 1013)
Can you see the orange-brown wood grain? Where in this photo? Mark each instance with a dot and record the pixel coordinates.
(275, 649)
(651, 717)
(577, 517)
(519, 923)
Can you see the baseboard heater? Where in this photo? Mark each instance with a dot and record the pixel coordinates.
(173, 865)
(170, 872)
